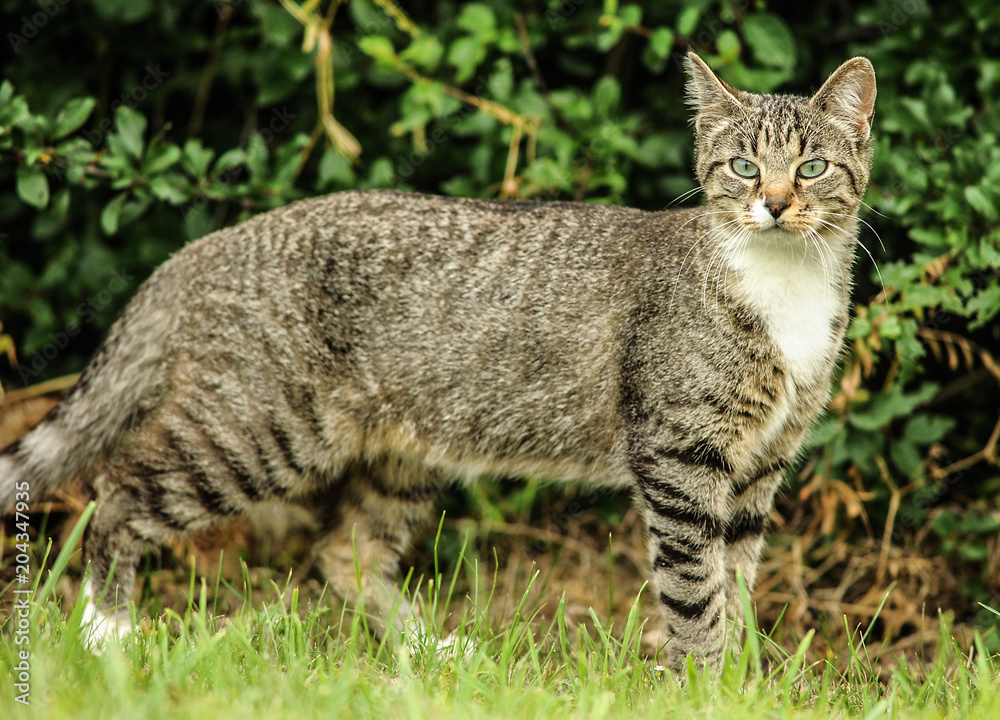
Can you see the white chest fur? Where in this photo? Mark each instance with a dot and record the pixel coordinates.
(794, 294)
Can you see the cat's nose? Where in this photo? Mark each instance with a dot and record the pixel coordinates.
(775, 207)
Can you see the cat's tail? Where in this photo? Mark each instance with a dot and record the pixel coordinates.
(101, 406)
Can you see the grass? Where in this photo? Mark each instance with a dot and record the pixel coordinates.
(282, 658)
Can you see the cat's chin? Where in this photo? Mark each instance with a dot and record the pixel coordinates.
(787, 234)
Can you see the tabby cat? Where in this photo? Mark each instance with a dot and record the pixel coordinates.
(373, 346)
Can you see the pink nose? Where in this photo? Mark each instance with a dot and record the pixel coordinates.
(775, 207)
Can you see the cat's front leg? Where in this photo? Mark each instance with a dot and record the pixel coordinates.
(684, 494)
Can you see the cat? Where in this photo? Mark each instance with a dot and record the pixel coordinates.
(374, 346)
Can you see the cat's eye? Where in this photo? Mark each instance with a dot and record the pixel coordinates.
(812, 168)
(744, 168)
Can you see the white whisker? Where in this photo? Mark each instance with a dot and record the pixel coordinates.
(871, 257)
(882, 215)
(854, 217)
(684, 196)
(697, 241)
(720, 251)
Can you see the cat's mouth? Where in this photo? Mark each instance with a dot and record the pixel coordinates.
(791, 221)
(775, 217)
(790, 225)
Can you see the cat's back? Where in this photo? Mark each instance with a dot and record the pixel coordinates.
(392, 249)
(382, 222)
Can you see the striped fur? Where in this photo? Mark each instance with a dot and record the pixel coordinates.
(370, 347)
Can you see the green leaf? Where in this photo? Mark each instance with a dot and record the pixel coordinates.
(133, 210)
(728, 45)
(906, 457)
(918, 110)
(980, 202)
(130, 127)
(32, 186)
(979, 524)
(378, 47)
(770, 39)
(279, 26)
(478, 19)
(607, 94)
(197, 157)
(756, 79)
(631, 15)
(984, 305)
(663, 149)
(825, 430)
(657, 50)
(973, 552)
(162, 158)
(464, 55)
(860, 327)
(687, 21)
(885, 407)
(989, 251)
(6, 93)
(610, 37)
(171, 187)
(932, 237)
(890, 328)
(72, 116)
(944, 524)
(335, 169)
(230, 159)
(924, 429)
(425, 52)
(124, 11)
(111, 213)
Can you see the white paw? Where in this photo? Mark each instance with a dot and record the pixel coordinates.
(100, 628)
(418, 638)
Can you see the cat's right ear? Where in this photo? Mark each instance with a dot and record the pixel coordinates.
(714, 100)
(848, 96)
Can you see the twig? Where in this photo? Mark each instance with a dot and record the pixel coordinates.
(49, 386)
(529, 56)
(211, 69)
(883, 557)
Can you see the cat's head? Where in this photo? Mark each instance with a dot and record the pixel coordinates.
(781, 163)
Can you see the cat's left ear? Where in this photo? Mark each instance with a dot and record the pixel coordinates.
(714, 100)
(849, 96)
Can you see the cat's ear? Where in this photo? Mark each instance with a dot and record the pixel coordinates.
(709, 95)
(849, 96)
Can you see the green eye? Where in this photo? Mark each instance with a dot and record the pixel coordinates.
(812, 168)
(744, 168)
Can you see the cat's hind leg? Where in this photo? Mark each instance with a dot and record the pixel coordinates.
(373, 516)
(169, 477)
(111, 549)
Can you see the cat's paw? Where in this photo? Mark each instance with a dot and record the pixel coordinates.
(419, 639)
(98, 628)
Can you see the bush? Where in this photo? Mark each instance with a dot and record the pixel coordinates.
(128, 127)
